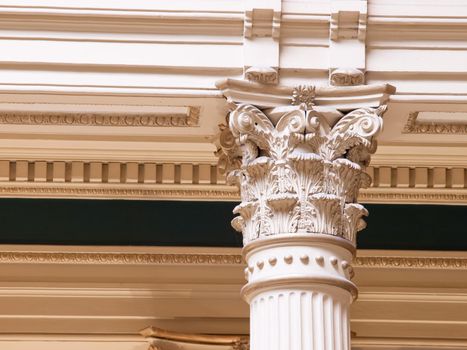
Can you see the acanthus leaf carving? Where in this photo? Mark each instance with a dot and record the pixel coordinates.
(300, 171)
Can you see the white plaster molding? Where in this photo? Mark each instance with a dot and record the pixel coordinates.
(261, 47)
(340, 98)
(348, 19)
(200, 19)
(347, 44)
(346, 77)
(263, 75)
(180, 27)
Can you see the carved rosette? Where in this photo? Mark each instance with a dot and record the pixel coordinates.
(298, 172)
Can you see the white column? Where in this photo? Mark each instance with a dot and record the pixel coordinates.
(299, 169)
(299, 293)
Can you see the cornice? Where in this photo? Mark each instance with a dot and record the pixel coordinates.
(141, 258)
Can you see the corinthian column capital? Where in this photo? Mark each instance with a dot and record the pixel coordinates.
(299, 167)
(299, 157)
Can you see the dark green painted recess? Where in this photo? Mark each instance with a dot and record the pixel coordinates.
(171, 223)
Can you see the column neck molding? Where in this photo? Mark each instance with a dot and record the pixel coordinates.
(295, 239)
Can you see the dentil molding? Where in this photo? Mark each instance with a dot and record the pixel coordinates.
(147, 180)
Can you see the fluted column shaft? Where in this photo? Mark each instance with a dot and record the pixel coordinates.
(299, 293)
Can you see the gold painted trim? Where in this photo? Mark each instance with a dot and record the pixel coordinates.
(118, 258)
(102, 119)
(209, 192)
(121, 191)
(193, 338)
(428, 195)
(111, 258)
(411, 262)
(413, 126)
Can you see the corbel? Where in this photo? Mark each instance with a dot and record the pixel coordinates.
(347, 36)
(262, 26)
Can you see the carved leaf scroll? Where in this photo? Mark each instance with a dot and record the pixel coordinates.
(298, 173)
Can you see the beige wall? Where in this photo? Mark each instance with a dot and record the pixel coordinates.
(102, 297)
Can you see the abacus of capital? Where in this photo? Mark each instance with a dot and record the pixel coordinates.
(299, 156)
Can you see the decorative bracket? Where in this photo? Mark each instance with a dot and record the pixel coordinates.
(347, 42)
(261, 41)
